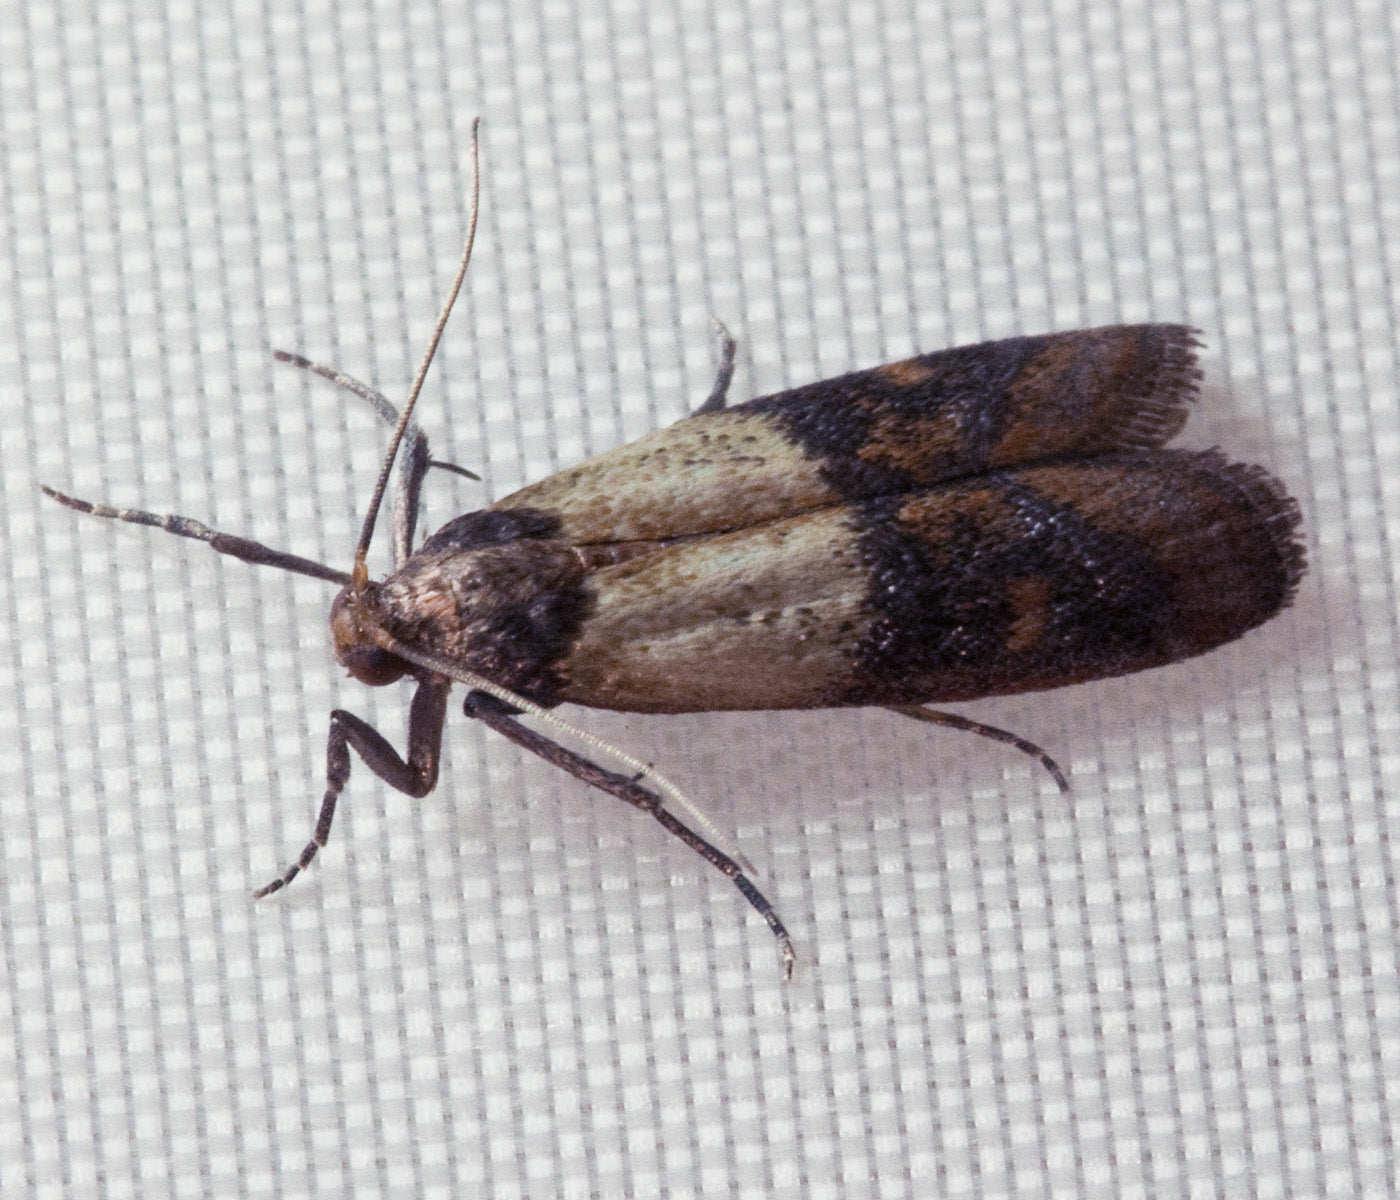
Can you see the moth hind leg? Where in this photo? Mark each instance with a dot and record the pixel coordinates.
(416, 775)
(724, 374)
(949, 720)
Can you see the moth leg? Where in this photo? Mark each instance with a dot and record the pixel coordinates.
(416, 776)
(225, 543)
(416, 461)
(499, 717)
(715, 401)
(376, 400)
(952, 721)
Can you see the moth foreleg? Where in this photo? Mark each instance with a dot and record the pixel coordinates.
(499, 717)
(231, 544)
(375, 399)
(416, 775)
(724, 376)
(415, 458)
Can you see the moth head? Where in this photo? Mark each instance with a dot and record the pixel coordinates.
(353, 630)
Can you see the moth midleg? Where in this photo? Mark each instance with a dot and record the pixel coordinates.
(416, 775)
(496, 715)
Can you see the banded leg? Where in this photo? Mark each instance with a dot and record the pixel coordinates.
(231, 544)
(949, 720)
(416, 459)
(499, 717)
(416, 776)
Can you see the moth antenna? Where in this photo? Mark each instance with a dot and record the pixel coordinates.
(644, 770)
(360, 570)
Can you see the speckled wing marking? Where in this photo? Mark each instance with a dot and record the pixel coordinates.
(1027, 580)
(761, 618)
(879, 432)
(1009, 582)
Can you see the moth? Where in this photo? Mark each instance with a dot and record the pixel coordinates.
(986, 520)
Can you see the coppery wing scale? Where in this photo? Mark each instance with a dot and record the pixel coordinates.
(888, 430)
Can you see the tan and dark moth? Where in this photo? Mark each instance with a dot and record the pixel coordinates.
(974, 522)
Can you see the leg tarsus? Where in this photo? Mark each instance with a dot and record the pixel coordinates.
(719, 394)
(337, 775)
(949, 720)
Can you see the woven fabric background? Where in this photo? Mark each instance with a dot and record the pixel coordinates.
(1181, 980)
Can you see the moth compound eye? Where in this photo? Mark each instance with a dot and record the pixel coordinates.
(372, 666)
(355, 650)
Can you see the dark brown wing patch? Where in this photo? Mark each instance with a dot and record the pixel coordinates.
(1026, 580)
(999, 404)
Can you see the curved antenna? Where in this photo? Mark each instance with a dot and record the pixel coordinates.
(359, 575)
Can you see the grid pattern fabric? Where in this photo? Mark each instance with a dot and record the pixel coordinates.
(1180, 980)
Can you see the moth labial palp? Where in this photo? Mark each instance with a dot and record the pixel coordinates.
(979, 521)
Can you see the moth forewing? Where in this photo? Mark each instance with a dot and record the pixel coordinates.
(884, 431)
